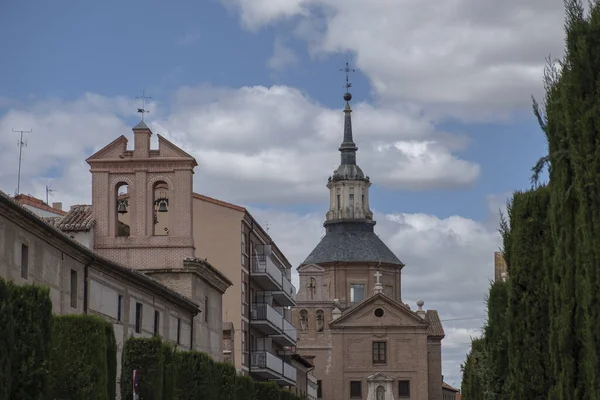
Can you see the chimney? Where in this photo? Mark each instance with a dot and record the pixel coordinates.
(57, 205)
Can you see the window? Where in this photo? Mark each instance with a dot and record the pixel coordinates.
(351, 200)
(73, 288)
(363, 200)
(156, 323)
(24, 260)
(205, 308)
(138, 317)
(244, 299)
(357, 292)
(355, 389)
(178, 330)
(119, 308)
(379, 352)
(319, 389)
(339, 203)
(403, 388)
(243, 249)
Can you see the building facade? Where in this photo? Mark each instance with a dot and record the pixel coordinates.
(259, 301)
(142, 208)
(82, 282)
(364, 341)
(499, 266)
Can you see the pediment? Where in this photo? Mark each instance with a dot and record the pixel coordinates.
(310, 269)
(379, 377)
(168, 149)
(110, 151)
(394, 315)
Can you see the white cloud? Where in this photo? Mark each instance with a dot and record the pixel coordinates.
(271, 144)
(282, 56)
(449, 263)
(471, 58)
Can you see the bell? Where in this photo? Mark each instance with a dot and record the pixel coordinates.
(162, 206)
(122, 208)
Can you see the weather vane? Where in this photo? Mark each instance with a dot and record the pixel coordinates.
(347, 70)
(143, 109)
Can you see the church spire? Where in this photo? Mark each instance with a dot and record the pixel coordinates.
(348, 147)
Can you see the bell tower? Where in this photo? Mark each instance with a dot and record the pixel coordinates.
(142, 202)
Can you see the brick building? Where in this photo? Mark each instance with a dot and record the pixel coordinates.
(364, 341)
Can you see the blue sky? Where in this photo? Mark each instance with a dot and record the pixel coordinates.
(254, 90)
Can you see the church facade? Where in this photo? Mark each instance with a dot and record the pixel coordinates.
(352, 324)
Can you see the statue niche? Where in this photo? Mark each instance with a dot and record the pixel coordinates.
(312, 288)
(320, 321)
(304, 320)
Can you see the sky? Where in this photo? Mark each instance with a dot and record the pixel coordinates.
(253, 89)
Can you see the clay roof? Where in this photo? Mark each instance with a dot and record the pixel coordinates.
(446, 386)
(79, 218)
(25, 199)
(219, 202)
(435, 325)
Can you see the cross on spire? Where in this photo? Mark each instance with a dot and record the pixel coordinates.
(347, 70)
(377, 276)
(143, 109)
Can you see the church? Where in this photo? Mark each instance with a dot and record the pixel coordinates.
(364, 341)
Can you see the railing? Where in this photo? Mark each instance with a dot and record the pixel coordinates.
(289, 371)
(266, 360)
(288, 287)
(264, 312)
(263, 264)
(289, 330)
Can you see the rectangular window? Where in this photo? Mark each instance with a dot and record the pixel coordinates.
(351, 200)
(355, 389)
(138, 317)
(73, 288)
(244, 299)
(243, 249)
(178, 330)
(319, 389)
(357, 292)
(363, 200)
(24, 260)
(403, 388)
(379, 352)
(156, 323)
(119, 308)
(205, 308)
(339, 202)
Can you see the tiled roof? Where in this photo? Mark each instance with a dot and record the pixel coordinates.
(435, 325)
(446, 386)
(23, 199)
(79, 218)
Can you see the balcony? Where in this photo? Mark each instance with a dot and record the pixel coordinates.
(266, 319)
(266, 273)
(287, 295)
(266, 365)
(311, 390)
(287, 336)
(289, 373)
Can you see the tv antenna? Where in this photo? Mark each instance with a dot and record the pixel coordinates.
(20, 145)
(49, 193)
(143, 109)
(268, 226)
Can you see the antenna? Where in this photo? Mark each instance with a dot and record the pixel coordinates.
(268, 226)
(143, 109)
(49, 193)
(20, 144)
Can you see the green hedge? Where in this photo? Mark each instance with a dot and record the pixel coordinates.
(285, 394)
(168, 372)
(111, 360)
(7, 346)
(244, 386)
(266, 390)
(195, 376)
(78, 362)
(32, 311)
(225, 375)
(147, 356)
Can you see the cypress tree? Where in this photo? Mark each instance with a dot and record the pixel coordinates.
(527, 251)
(472, 385)
(495, 342)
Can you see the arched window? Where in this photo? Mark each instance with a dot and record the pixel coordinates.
(123, 210)
(380, 392)
(160, 208)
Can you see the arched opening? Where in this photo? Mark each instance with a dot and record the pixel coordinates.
(380, 392)
(160, 208)
(123, 210)
(320, 321)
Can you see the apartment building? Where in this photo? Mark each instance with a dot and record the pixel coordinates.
(258, 304)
